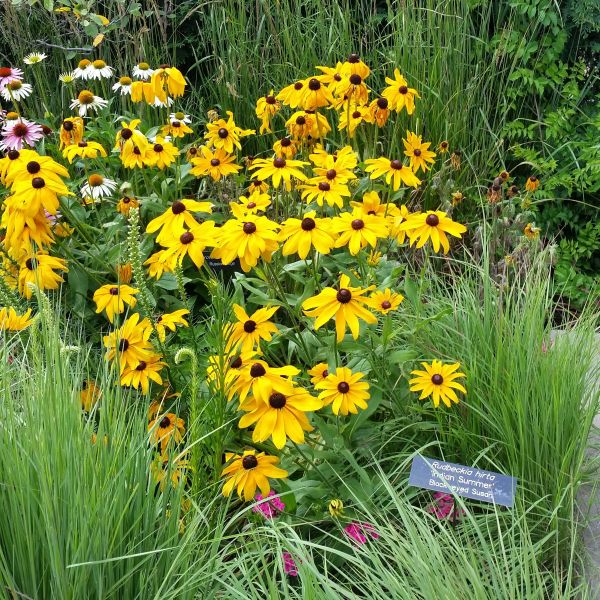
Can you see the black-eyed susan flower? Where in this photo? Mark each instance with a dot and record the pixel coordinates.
(11, 321)
(266, 108)
(143, 373)
(531, 232)
(371, 204)
(130, 344)
(399, 95)
(318, 373)
(279, 415)
(176, 218)
(256, 185)
(394, 223)
(352, 117)
(170, 321)
(38, 166)
(285, 148)
(347, 304)
(393, 170)
(166, 429)
(126, 203)
(248, 239)
(315, 95)
(301, 124)
(345, 390)
(173, 471)
(190, 243)
(112, 298)
(176, 129)
(386, 301)
(86, 102)
(223, 370)
(161, 154)
(40, 270)
(258, 378)
(353, 89)
(158, 264)
(129, 136)
(331, 75)
(300, 235)
(15, 161)
(355, 65)
(379, 111)
(144, 90)
(325, 191)
(217, 163)
(438, 381)
(133, 156)
(89, 395)
(532, 183)
(434, 225)
(248, 331)
(338, 166)
(357, 230)
(291, 95)
(279, 169)
(83, 149)
(250, 205)
(246, 472)
(418, 152)
(168, 80)
(71, 131)
(226, 134)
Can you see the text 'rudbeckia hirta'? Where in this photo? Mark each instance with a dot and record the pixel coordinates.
(438, 381)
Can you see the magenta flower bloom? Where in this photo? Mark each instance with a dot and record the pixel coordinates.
(359, 531)
(8, 74)
(444, 507)
(270, 506)
(289, 565)
(16, 133)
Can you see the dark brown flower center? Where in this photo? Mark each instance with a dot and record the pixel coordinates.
(251, 205)
(298, 85)
(308, 224)
(137, 151)
(186, 238)
(257, 370)
(249, 462)
(300, 120)
(437, 379)
(158, 148)
(13, 154)
(223, 133)
(177, 207)
(356, 114)
(353, 58)
(432, 220)
(33, 167)
(355, 79)
(344, 296)
(270, 99)
(30, 263)
(325, 373)
(386, 304)
(417, 152)
(19, 130)
(331, 174)
(314, 84)
(396, 164)
(114, 291)
(382, 103)
(533, 179)
(68, 125)
(403, 89)
(285, 142)
(126, 133)
(236, 363)
(123, 345)
(279, 163)
(277, 400)
(141, 366)
(358, 224)
(38, 183)
(215, 162)
(324, 186)
(164, 422)
(343, 387)
(249, 326)
(82, 144)
(249, 227)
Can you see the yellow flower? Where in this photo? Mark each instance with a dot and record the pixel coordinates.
(301, 124)
(167, 80)
(292, 94)
(443, 147)
(335, 508)
(112, 298)
(315, 95)
(393, 171)
(124, 272)
(358, 230)
(266, 108)
(355, 66)
(130, 136)
(280, 415)
(332, 192)
(246, 334)
(249, 239)
(532, 183)
(457, 198)
(318, 373)
(11, 321)
(226, 134)
(250, 205)
(144, 372)
(379, 111)
(249, 471)
(371, 205)
(191, 243)
(161, 154)
(176, 129)
(130, 343)
(398, 219)
(353, 89)
(15, 160)
(531, 232)
(173, 221)
(279, 169)
(159, 263)
(258, 378)
(39, 270)
(84, 149)
(125, 204)
(71, 131)
(89, 395)
(418, 152)
(432, 225)
(346, 304)
(217, 164)
(285, 148)
(256, 185)
(386, 301)
(300, 235)
(342, 162)
(399, 95)
(166, 428)
(345, 390)
(165, 470)
(437, 381)
(170, 321)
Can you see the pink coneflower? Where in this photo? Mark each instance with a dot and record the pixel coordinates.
(444, 507)
(8, 74)
(358, 532)
(289, 564)
(16, 133)
(270, 506)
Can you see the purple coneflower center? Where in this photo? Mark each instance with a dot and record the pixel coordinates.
(21, 130)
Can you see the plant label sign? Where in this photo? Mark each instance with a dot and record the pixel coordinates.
(470, 482)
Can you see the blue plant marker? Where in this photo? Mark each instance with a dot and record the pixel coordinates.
(469, 482)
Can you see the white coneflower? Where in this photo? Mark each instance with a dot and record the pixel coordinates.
(86, 101)
(159, 104)
(142, 71)
(16, 90)
(98, 186)
(123, 85)
(180, 116)
(80, 72)
(67, 78)
(35, 57)
(98, 70)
